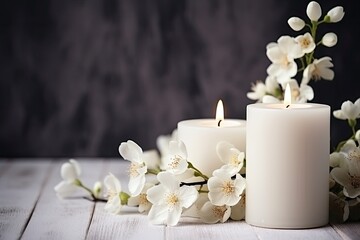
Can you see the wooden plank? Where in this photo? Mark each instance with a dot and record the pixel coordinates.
(4, 165)
(348, 231)
(20, 187)
(55, 218)
(230, 230)
(326, 233)
(130, 224)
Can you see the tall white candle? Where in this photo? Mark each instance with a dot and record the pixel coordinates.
(201, 136)
(287, 165)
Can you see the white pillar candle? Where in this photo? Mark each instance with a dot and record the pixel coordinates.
(201, 136)
(287, 165)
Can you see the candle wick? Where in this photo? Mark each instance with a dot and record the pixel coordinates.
(287, 106)
(219, 123)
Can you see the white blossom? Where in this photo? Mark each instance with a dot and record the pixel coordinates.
(176, 160)
(210, 213)
(349, 177)
(282, 56)
(260, 89)
(313, 11)
(357, 135)
(306, 43)
(113, 194)
(169, 199)
(320, 68)
(132, 152)
(296, 23)
(348, 110)
(223, 190)
(70, 173)
(336, 14)
(231, 156)
(329, 39)
(141, 199)
(162, 143)
(97, 189)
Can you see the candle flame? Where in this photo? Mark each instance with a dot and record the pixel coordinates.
(219, 112)
(287, 97)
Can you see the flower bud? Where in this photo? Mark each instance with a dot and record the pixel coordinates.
(313, 11)
(329, 39)
(336, 14)
(296, 23)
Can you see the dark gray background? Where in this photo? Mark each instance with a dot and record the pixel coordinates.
(77, 77)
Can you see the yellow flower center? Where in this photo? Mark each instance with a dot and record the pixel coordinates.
(355, 181)
(285, 62)
(175, 161)
(143, 199)
(133, 169)
(228, 188)
(172, 199)
(234, 160)
(111, 194)
(304, 43)
(219, 211)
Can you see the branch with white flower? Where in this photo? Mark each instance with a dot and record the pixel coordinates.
(290, 56)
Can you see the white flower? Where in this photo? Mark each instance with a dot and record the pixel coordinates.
(210, 213)
(162, 143)
(231, 156)
(282, 56)
(329, 39)
(336, 14)
(176, 161)
(70, 173)
(238, 211)
(151, 159)
(141, 200)
(223, 190)
(296, 23)
(169, 199)
(300, 94)
(260, 89)
(349, 178)
(132, 152)
(113, 187)
(306, 42)
(313, 11)
(348, 110)
(320, 68)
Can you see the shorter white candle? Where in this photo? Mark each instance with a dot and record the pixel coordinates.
(201, 136)
(287, 165)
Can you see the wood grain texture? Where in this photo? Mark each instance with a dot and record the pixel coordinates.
(191, 229)
(30, 209)
(55, 218)
(20, 187)
(348, 231)
(326, 233)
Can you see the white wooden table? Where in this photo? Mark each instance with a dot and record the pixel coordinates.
(30, 209)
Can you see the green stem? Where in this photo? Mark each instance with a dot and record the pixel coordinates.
(203, 191)
(154, 171)
(200, 174)
(77, 182)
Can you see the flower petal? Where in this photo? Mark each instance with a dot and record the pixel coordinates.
(174, 216)
(136, 184)
(113, 205)
(158, 214)
(339, 114)
(156, 194)
(131, 151)
(112, 183)
(69, 172)
(188, 195)
(168, 180)
(65, 189)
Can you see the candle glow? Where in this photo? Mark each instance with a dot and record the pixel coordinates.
(219, 111)
(287, 97)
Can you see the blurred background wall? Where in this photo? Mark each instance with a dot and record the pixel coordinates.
(77, 77)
